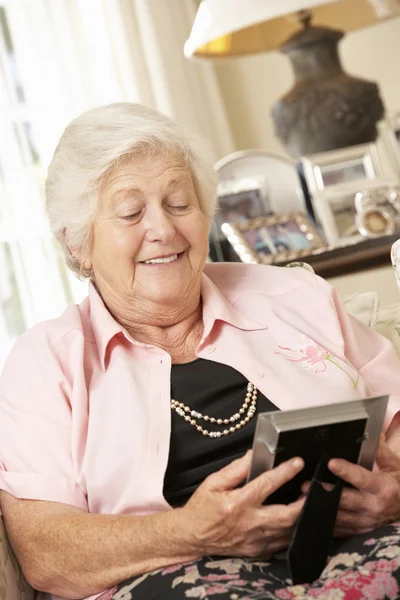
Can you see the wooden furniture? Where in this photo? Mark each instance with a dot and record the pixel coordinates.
(367, 254)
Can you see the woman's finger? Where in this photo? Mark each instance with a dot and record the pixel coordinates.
(281, 517)
(348, 532)
(232, 475)
(327, 486)
(277, 545)
(356, 521)
(360, 478)
(352, 500)
(386, 458)
(257, 490)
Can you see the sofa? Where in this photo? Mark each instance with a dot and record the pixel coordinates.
(364, 306)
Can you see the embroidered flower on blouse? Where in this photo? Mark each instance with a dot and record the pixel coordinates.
(316, 358)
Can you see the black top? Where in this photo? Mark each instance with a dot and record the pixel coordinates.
(218, 391)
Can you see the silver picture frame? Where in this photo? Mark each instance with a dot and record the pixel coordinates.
(339, 216)
(342, 169)
(271, 425)
(242, 200)
(376, 215)
(273, 239)
(332, 180)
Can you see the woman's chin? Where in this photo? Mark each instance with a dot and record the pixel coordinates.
(165, 300)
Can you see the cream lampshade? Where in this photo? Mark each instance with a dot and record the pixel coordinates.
(309, 32)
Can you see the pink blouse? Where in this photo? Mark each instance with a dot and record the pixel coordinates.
(85, 409)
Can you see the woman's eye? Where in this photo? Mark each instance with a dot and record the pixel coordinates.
(181, 207)
(131, 217)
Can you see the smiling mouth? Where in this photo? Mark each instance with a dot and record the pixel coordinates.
(164, 260)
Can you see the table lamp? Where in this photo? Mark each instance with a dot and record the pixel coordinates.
(327, 108)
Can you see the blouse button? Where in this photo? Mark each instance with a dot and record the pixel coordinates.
(260, 375)
(210, 350)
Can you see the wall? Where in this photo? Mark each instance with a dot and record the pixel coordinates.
(250, 85)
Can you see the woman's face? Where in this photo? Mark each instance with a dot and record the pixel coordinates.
(150, 238)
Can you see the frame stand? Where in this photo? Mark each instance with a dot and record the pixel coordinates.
(313, 533)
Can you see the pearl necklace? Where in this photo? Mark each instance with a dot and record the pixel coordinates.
(249, 408)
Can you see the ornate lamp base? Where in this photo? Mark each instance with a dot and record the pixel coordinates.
(326, 109)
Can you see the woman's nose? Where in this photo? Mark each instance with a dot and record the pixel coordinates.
(159, 226)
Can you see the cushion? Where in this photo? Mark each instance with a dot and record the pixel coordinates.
(388, 324)
(364, 306)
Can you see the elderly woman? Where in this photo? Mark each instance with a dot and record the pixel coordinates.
(124, 423)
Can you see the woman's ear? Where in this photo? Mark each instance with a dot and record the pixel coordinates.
(77, 254)
(84, 262)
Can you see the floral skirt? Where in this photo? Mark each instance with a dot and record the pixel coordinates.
(363, 567)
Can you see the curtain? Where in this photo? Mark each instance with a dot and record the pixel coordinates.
(59, 58)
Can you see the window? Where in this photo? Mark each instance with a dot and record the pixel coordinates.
(34, 281)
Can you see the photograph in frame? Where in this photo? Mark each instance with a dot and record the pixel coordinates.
(341, 173)
(241, 206)
(345, 169)
(238, 200)
(273, 239)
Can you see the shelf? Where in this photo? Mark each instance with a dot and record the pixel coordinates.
(366, 254)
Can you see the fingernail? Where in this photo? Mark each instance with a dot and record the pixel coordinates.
(298, 462)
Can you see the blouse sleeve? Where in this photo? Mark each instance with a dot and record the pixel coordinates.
(36, 459)
(372, 355)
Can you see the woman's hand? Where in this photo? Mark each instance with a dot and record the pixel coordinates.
(231, 521)
(375, 501)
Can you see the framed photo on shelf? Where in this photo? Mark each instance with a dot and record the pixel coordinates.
(377, 212)
(239, 200)
(333, 179)
(238, 207)
(273, 239)
(341, 168)
(369, 211)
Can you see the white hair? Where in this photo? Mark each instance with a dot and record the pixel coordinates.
(94, 143)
